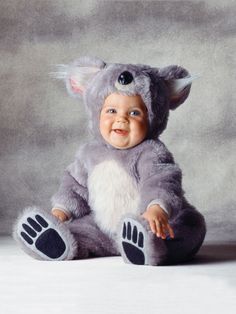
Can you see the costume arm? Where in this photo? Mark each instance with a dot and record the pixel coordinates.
(160, 180)
(72, 195)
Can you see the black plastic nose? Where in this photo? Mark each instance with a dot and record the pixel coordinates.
(125, 78)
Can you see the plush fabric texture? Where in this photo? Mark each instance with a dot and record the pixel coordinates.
(105, 187)
(97, 79)
(121, 194)
(149, 83)
(149, 165)
(47, 238)
(138, 245)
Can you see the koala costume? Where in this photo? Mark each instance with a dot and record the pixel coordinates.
(105, 190)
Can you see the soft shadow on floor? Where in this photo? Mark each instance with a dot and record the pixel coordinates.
(215, 253)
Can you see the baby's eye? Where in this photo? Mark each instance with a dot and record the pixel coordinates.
(111, 110)
(135, 113)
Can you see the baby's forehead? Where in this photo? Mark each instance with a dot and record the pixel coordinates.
(116, 99)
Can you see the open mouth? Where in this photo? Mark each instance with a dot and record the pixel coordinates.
(121, 132)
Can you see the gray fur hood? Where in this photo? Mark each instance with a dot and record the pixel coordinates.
(162, 89)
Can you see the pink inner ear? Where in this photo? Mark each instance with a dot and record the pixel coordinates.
(75, 86)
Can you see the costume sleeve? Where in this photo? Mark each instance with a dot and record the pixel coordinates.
(72, 196)
(160, 203)
(160, 180)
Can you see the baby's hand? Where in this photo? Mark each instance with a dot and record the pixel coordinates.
(57, 212)
(158, 221)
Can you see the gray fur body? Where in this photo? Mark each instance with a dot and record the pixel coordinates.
(107, 189)
(153, 169)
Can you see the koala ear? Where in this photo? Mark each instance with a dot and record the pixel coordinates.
(178, 82)
(78, 74)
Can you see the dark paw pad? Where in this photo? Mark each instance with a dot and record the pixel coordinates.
(134, 254)
(50, 243)
(133, 243)
(37, 233)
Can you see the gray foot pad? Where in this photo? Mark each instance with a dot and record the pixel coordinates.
(41, 236)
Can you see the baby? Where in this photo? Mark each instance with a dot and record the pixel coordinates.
(124, 124)
(123, 194)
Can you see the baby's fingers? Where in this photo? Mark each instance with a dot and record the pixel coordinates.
(171, 231)
(159, 229)
(163, 229)
(152, 226)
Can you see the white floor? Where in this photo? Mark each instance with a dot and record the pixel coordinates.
(107, 285)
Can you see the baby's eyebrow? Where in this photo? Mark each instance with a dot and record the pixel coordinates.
(109, 105)
(139, 108)
(135, 108)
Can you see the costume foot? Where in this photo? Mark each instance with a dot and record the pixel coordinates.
(43, 236)
(139, 246)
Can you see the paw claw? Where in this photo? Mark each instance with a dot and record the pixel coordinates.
(129, 231)
(140, 239)
(34, 224)
(42, 221)
(124, 231)
(29, 230)
(135, 235)
(27, 238)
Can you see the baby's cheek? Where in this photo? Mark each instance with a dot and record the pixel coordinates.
(108, 121)
(141, 129)
(105, 124)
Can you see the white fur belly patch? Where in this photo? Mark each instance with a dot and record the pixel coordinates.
(112, 193)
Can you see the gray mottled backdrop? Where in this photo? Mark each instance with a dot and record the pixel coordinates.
(41, 127)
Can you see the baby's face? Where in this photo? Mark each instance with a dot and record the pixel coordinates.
(123, 120)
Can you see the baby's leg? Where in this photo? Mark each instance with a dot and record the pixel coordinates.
(190, 229)
(43, 236)
(138, 245)
(91, 241)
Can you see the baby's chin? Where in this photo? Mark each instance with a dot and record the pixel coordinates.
(122, 141)
(122, 145)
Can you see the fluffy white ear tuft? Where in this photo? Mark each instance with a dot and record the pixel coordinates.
(179, 90)
(178, 85)
(178, 81)
(61, 72)
(79, 78)
(78, 74)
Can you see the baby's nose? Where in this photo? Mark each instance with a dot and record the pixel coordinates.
(122, 119)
